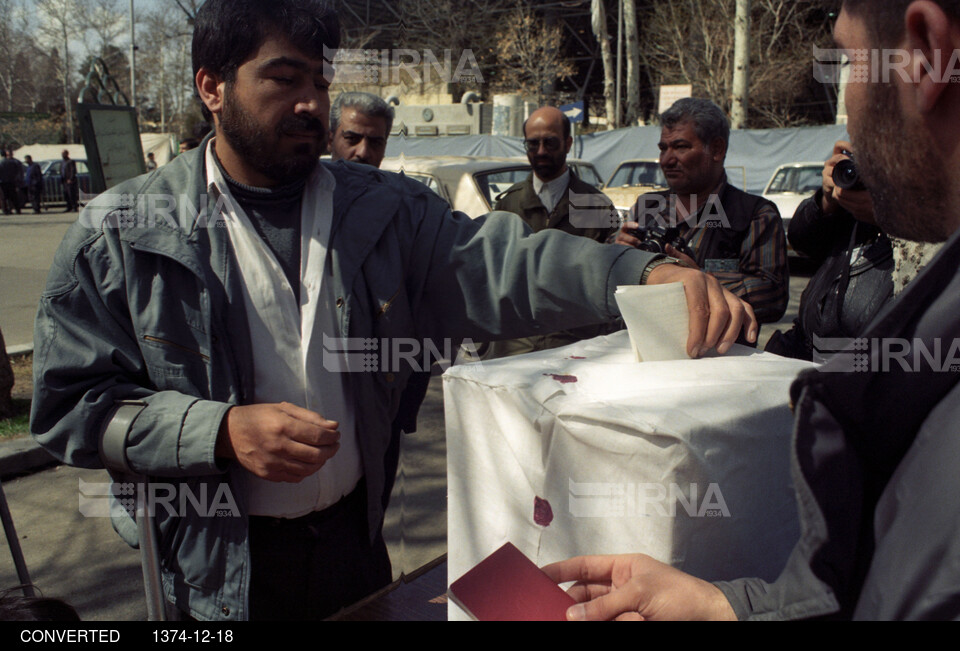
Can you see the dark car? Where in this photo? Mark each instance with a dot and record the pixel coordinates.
(53, 186)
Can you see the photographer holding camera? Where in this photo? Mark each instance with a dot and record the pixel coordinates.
(836, 229)
(704, 221)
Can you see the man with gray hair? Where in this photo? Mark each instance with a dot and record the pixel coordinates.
(359, 126)
(735, 236)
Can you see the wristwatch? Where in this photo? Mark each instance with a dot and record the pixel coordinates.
(656, 263)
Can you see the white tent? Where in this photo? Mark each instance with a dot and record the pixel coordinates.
(161, 144)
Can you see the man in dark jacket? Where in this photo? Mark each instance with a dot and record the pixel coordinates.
(34, 181)
(11, 174)
(554, 197)
(68, 176)
(877, 442)
(836, 230)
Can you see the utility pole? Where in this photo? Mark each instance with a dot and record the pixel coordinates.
(741, 65)
(133, 61)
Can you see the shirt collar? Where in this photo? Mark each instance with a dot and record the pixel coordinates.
(555, 186)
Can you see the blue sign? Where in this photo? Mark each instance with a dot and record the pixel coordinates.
(576, 111)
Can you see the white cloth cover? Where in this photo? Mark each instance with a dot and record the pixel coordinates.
(615, 447)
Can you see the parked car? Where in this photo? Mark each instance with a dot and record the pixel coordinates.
(791, 184)
(631, 179)
(635, 177)
(471, 184)
(53, 186)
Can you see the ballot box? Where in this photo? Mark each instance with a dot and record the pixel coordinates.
(584, 450)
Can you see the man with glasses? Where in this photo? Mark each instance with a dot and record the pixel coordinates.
(552, 196)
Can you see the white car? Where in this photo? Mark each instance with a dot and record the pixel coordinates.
(471, 184)
(791, 184)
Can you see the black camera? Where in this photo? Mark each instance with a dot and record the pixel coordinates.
(847, 176)
(656, 237)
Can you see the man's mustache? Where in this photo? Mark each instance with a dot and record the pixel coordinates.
(298, 124)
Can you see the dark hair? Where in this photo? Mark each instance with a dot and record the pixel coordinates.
(227, 32)
(884, 18)
(17, 608)
(564, 120)
(367, 103)
(709, 120)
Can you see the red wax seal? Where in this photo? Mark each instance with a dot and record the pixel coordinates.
(562, 379)
(542, 513)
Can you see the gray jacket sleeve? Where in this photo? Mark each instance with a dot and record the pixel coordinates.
(492, 278)
(87, 359)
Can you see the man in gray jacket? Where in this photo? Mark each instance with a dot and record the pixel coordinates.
(877, 436)
(220, 313)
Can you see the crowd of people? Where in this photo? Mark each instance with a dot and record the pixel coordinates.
(160, 337)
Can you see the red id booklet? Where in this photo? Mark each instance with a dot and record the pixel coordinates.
(508, 586)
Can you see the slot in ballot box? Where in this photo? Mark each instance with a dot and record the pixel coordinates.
(584, 450)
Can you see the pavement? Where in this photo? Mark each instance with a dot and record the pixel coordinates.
(80, 559)
(27, 245)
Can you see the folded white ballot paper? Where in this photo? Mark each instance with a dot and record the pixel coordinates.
(657, 320)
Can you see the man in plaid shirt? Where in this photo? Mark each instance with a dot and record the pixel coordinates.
(735, 236)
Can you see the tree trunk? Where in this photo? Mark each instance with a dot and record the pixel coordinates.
(598, 20)
(6, 381)
(633, 61)
(67, 100)
(741, 62)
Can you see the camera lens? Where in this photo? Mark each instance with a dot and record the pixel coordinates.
(846, 175)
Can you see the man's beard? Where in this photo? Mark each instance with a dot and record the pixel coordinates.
(547, 167)
(907, 179)
(261, 149)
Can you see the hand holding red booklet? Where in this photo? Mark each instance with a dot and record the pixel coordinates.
(507, 586)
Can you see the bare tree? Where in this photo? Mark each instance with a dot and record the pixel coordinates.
(188, 7)
(692, 42)
(104, 22)
(15, 49)
(598, 23)
(530, 54)
(457, 26)
(58, 24)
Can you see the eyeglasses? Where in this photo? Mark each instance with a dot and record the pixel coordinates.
(550, 144)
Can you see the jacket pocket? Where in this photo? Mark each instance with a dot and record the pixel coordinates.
(176, 366)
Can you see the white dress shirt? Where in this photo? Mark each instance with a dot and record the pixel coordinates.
(551, 192)
(287, 366)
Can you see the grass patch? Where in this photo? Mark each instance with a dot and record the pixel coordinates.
(19, 424)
